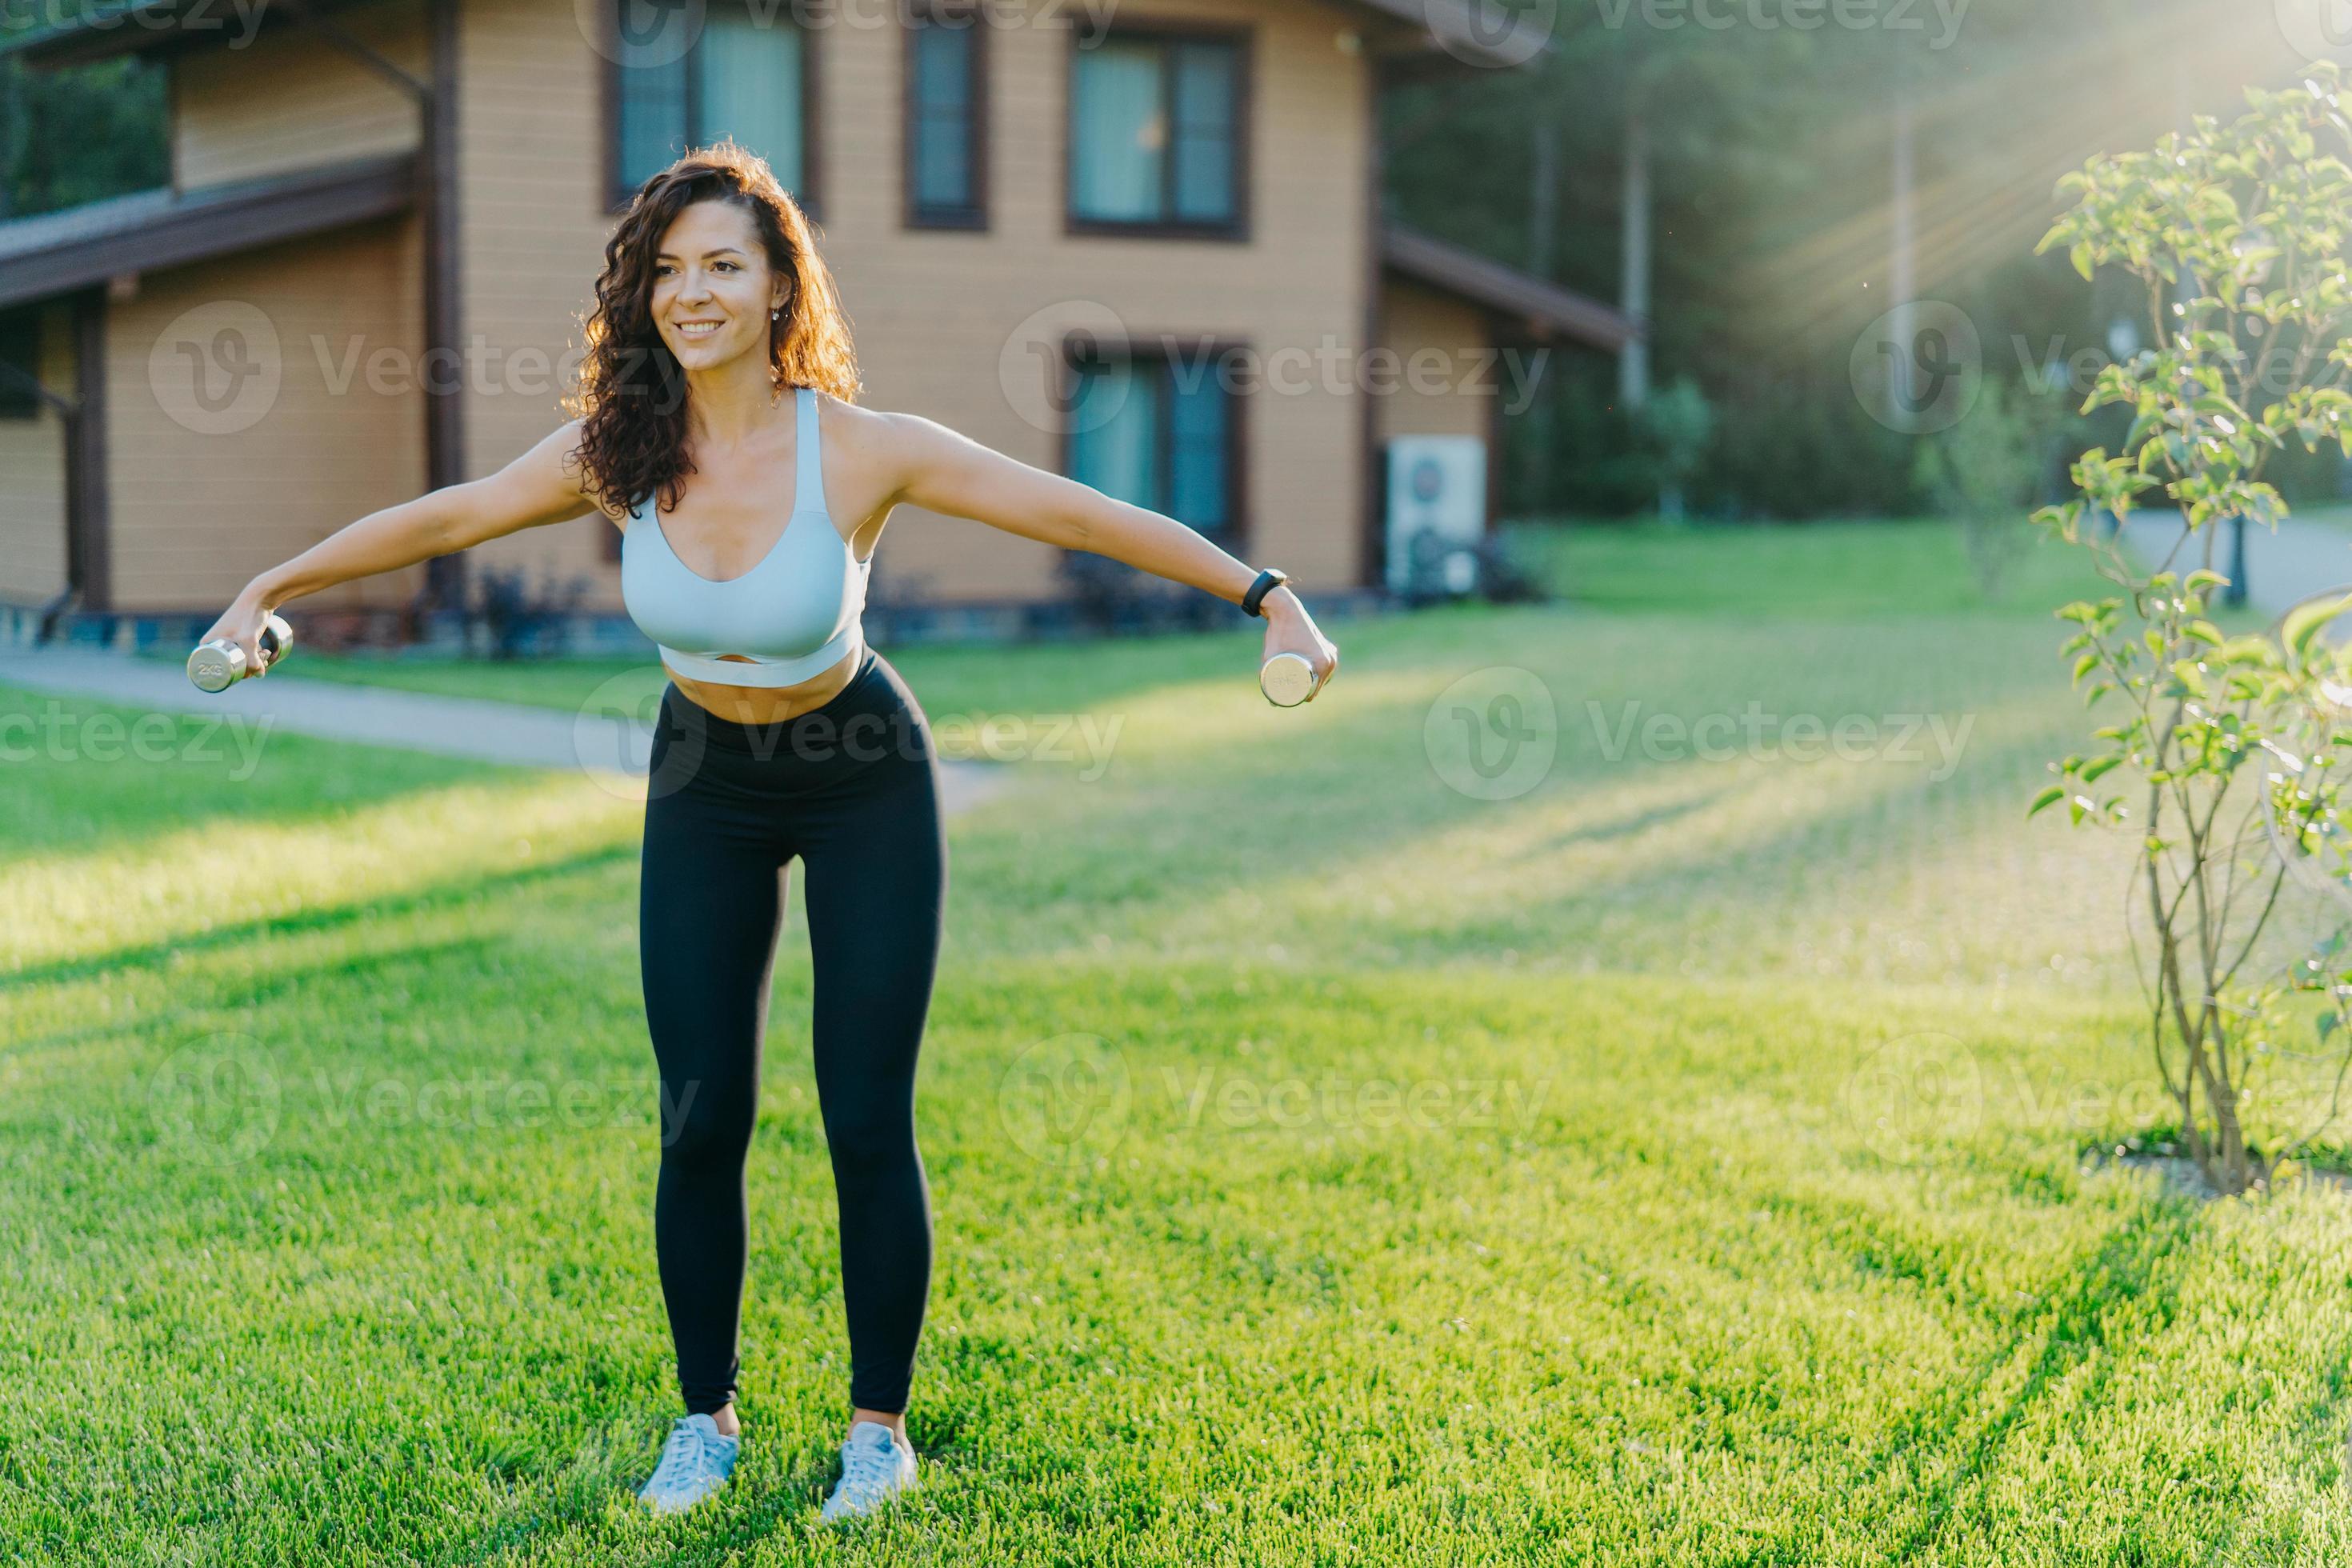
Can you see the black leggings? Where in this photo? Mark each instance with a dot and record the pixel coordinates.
(852, 788)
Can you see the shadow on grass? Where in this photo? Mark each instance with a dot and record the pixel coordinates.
(2133, 1277)
(439, 895)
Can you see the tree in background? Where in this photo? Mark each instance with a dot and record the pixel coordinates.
(1678, 423)
(1988, 470)
(83, 135)
(1767, 159)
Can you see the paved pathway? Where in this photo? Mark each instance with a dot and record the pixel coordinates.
(2301, 558)
(594, 740)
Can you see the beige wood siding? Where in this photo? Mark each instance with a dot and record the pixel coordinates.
(288, 99)
(933, 311)
(33, 478)
(531, 236)
(1437, 339)
(198, 507)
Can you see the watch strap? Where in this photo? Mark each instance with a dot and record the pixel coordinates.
(1267, 581)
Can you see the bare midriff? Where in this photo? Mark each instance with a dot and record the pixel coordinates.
(763, 705)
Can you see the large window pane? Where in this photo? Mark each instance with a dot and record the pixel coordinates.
(748, 71)
(1196, 488)
(1156, 434)
(943, 171)
(1118, 133)
(653, 117)
(1115, 447)
(1204, 131)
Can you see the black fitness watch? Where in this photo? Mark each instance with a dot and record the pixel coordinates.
(1267, 581)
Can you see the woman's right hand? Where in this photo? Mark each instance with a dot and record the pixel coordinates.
(241, 623)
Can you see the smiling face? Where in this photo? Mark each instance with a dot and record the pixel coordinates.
(713, 286)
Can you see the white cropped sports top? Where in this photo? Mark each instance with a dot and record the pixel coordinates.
(795, 614)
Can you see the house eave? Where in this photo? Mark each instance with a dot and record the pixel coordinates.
(1521, 303)
(147, 233)
(101, 32)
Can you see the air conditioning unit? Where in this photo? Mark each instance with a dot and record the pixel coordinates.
(1437, 513)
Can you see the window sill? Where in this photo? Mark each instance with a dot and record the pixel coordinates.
(1234, 233)
(966, 222)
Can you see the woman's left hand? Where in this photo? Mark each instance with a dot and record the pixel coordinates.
(1291, 629)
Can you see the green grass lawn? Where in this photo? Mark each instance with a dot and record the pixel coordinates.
(1687, 1158)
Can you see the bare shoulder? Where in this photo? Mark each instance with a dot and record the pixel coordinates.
(871, 431)
(560, 448)
(886, 444)
(557, 452)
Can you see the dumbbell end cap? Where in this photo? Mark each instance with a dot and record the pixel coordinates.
(213, 669)
(1288, 680)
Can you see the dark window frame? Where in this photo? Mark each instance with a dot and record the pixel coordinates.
(1166, 33)
(1164, 350)
(20, 347)
(964, 15)
(618, 190)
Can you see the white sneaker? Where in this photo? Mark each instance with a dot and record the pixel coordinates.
(875, 1466)
(695, 1462)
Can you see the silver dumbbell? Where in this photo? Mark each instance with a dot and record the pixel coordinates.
(1288, 680)
(216, 666)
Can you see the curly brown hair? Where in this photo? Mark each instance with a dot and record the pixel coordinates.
(633, 396)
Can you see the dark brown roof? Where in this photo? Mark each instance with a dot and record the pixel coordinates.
(57, 252)
(99, 29)
(1542, 310)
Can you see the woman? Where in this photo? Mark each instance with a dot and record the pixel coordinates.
(719, 378)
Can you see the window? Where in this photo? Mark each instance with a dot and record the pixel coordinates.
(1158, 431)
(20, 350)
(745, 73)
(947, 120)
(1158, 130)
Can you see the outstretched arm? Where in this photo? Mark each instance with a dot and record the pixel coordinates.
(537, 487)
(942, 471)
